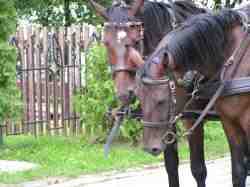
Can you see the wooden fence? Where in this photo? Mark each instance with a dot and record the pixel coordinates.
(50, 69)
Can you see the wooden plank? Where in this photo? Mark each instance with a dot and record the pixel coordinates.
(62, 84)
(73, 74)
(55, 81)
(32, 81)
(70, 77)
(78, 73)
(38, 64)
(84, 66)
(46, 81)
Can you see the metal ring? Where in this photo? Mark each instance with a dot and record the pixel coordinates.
(169, 138)
(172, 85)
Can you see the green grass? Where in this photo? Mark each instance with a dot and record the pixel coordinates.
(59, 156)
(71, 157)
(216, 145)
(215, 141)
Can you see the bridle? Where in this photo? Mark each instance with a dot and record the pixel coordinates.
(169, 136)
(122, 28)
(140, 28)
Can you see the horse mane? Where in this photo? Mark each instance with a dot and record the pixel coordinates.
(201, 41)
(157, 20)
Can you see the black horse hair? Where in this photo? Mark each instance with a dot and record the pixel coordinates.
(199, 42)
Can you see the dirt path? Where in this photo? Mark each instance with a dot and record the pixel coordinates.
(219, 175)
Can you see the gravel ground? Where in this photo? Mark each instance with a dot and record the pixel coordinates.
(14, 166)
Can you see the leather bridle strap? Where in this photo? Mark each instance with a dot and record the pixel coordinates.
(118, 68)
(159, 124)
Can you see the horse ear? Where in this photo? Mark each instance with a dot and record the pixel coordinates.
(99, 9)
(136, 7)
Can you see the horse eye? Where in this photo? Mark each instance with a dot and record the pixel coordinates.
(127, 45)
(161, 102)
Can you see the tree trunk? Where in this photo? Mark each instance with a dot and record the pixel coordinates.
(67, 13)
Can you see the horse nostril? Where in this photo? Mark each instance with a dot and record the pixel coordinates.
(156, 151)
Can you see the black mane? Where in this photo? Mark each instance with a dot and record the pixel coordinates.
(199, 42)
(157, 20)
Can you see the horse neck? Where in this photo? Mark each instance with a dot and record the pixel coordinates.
(242, 67)
(183, 13)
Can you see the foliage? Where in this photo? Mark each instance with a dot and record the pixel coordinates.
(98, 93)
(9, 102)
(52, 12)
(98, 96)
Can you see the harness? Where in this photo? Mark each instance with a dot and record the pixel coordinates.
(222, 88)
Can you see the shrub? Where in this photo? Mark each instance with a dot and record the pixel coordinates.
(98, 95)
(9, 95)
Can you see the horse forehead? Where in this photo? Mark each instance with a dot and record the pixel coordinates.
(118, 14)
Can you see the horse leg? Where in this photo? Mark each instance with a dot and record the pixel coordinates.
(245, 121)
(238, 149)
(196, 145)
(171, 164)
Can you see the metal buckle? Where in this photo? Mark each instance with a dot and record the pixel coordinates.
(169, 138)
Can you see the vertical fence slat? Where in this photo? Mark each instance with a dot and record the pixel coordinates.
(38, 78)
(47, 87)
(69, 39)
(78, 64)
(62, 84)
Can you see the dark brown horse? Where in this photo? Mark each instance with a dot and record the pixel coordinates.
(159, 19)
(218, 47)
(126, 42)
